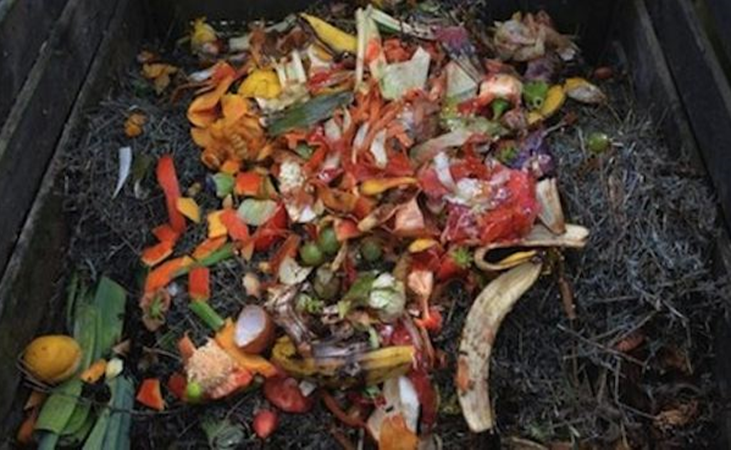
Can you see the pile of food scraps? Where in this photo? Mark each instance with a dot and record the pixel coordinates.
(338, 220)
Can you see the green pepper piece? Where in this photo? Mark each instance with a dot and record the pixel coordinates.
(534, 94)
(499, 106)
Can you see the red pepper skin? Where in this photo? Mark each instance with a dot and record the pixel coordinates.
(285, 394)
(265, 423)
(433, 323)
(237, 230)
(165, 233)
(176, 385)
(350, 420)
(199, 286)
(427, 397)
(150, 394)
(454, 263)
(168, 180)
(272, 231)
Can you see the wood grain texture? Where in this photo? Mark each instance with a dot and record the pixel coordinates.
(703, 88)
(719, 12)
(31, 287)
(24, 27)
(653, 84)
(33, 126)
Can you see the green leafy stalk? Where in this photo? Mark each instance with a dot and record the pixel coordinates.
(110, 299)
(304, 115)
(207, 314)
(59, 407)
(222, 254)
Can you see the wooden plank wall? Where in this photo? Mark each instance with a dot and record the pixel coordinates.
(719, 12)
(702, 85)
(29, 135)
(32, 286)
(652, 80)
(24, 27)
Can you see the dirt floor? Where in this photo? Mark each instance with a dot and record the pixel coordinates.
(645, 280)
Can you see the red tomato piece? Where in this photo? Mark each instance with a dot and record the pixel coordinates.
(265, 422)
(285, 394)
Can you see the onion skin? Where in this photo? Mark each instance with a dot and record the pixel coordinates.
(264, 339)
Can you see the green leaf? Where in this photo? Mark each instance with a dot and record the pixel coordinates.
(169, 340)
(77, 420)
(222, 435)
(207, 314)
(75, 440)
(360, 289)
(47, 440)
(85, 332)
(304, 115)
(120, 420)
(59, 407)
(141, 167)
(95, 441)
(224, 184)
(110, 299)
(111, 430)
(304, 150)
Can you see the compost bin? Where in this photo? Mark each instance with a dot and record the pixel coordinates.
(620, 344)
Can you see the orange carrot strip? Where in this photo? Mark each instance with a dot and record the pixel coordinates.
(94, 372)
(248, 183)
(155, 254)
(200, 109)
(208, 246)
(230, 166)
(237, 229)
(199, 286)
(168, 181)
(165, 232)
(25, 432)
(166, 272)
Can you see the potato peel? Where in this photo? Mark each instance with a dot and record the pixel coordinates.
(478, 337)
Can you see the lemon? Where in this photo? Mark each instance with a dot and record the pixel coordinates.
(52, 358)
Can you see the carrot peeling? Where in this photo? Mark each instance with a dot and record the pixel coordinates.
(199, 286)
(155, 254)
(207, 247)
(163, 274)
(168, 180)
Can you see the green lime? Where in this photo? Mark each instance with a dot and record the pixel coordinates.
(311, 254)
(598, 142)
(194, 392)
(370, 249)
(328, 241)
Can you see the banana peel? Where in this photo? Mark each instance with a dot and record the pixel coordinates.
(555, 98)
(373, 366)
(335, 38)
(583, 91)
(478, 336)
(574, 236)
